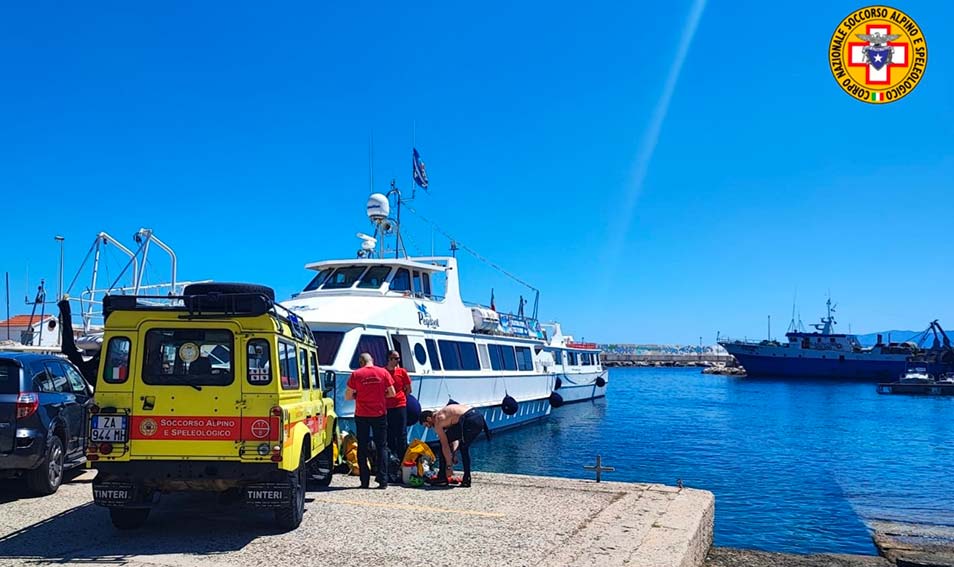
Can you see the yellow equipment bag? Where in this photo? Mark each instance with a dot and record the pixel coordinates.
(415, 451)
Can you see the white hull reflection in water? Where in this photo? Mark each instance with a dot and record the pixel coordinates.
(453, 351)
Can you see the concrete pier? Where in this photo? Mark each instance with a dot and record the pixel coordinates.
(501, 520)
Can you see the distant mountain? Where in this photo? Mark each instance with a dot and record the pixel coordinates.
(896, 336)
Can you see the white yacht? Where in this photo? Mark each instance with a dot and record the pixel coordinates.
(579, 374)
(452, 350)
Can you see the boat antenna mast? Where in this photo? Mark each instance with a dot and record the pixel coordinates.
(827, 324)
(379, 213)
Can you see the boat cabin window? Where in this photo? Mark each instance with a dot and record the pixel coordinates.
(375, 345)
(344, 277)
(484, 356)
(557, 356)
(510, 361)
(426, 279)
(418, 287)
(374, 277)
(401, 280)
(573, 358)
(459, 355)
(432, 354)
(496, 357)
(328, 344)
(832, 341)
(524, 358)
(318, 279)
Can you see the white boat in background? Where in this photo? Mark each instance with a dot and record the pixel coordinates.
(579, 374)
(452, 350)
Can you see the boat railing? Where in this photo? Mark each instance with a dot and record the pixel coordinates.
(748, 342)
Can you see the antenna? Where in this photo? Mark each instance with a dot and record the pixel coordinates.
(371, 160)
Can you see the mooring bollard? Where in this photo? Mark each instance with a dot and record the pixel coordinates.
(599, 468)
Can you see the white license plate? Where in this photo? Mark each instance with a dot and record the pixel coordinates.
(109, 429)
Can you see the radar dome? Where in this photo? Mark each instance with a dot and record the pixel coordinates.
(378, 207)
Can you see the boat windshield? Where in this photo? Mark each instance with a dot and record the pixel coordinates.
(343, 277)
(318, 279)
(374, 277)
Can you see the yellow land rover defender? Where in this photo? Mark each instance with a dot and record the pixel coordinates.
(215, 390)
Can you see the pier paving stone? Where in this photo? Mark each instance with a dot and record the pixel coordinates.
(501, 520)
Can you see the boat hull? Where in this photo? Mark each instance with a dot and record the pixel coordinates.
(582, 387)
(838, 368)
(484, 393)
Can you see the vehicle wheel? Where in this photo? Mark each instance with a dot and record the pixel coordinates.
(321, 468)
(46, 478)
(289, 518)
(128, 518)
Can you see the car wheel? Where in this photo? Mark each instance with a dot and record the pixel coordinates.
(289, 517)
(46, 478)
(128, 518)
(321, 468)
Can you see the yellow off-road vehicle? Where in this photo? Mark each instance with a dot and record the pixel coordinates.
(216, 390)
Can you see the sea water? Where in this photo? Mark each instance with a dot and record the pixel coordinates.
(795, 466)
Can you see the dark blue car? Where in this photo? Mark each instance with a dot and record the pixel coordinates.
(43, 406)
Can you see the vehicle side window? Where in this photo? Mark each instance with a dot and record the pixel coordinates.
(61, 384)
(317, 382)
(288, 360)
(259, 363)
(116, 368)
(42, 380)
(76, 380)
(305, 374)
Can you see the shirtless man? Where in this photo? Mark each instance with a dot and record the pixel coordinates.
(457, 426)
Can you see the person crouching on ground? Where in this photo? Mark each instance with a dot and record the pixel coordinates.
(457, 426)
(397, 406)
(369, 387)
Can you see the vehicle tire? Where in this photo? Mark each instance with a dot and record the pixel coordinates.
(128, 518)
(46, 478)
(290, 517)
(321, 469)
(228, 287)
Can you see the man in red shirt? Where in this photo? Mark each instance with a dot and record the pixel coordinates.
(369, 387)
(397, 406)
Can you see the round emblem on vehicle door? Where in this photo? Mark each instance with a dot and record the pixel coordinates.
(260, 428)
(189, 352)
(148, 427)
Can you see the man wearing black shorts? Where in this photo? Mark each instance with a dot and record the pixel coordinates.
(457, 426)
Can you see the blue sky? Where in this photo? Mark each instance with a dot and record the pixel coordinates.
(240, 135)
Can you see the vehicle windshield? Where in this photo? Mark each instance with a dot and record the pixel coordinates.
(192, 357)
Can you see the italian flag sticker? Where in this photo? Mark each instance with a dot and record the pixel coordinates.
(877, 97)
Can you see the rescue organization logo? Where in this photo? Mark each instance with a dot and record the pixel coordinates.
(878, 54)
(148, 427)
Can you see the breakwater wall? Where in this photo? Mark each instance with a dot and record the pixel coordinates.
(666, 359)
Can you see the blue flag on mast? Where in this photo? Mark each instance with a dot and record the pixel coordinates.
(420, 173)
